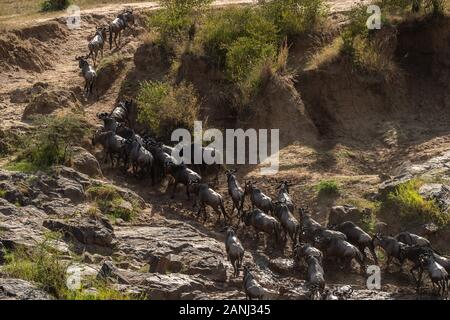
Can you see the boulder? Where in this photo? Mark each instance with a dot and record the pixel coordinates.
(339, 214)
(17, 289)
(7, 208)
(86, 230)
(172, 246)
(438, 192)
(390, 185)
(85, 162)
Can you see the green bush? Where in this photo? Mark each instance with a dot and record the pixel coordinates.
(176, 18)
(54, 5)
(412, 207)
(327, 188)
(293, 17)
(49, 142)
(41, 264)
(164, 108)
(109, 202)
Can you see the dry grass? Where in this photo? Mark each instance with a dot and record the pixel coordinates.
(17, 11)
(325, 55)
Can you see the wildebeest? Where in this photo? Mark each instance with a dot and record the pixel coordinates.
(443, 261)
(88, 72)
(315, 276)
(436, 272)
(358, 237)
(97, 43)
(257, 198)
(235, 191)
(283, 195)
(390, 245)
(290, 225)
(112, 144)
(128, 133)
(412, 239)
(308, 225)
(341, 250)
(116, 27)
(123, 112)
(141, 159)
(181, 174)
(252, 289)
(262, 222)
(235, 250)
(161, 157)
(303, 250)
(109, 123)
(205, 168)
(205, 196)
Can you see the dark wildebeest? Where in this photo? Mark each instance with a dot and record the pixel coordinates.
(290, 225)
(358, 237)
(119, 24)
(253, 290)
(257, 198)
(265, 223)
(235, 191)
(341, 250)
(205, 196)
(283, 195)
(436, 272)
(112, 144)
(140, 158)
(235, 250)
(181, 174)
(123, 112)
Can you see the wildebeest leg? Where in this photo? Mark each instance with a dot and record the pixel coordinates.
(412, 273)
(187, 193)
(174, 189)
(205, 213)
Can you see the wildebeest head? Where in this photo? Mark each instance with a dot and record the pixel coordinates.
(82, 63)
(101, 31)
(229, 173)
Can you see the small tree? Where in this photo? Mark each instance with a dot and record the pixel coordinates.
(54, 5)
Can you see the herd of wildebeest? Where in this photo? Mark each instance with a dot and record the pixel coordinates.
(312, 244)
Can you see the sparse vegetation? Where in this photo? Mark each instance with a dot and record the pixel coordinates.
(176, 19)
(108, 200)
(49, 142)
(44, 266)
(54, 5)
(41, 264)
(327, 188)
(163, 107)
(411, 206)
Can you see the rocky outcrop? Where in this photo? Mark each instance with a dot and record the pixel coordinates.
(17, 289)
(339, 214)
(85, 162)
(171, 246)
(93, 233)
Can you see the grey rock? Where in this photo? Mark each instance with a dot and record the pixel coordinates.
(85, 162)
(86, 230)
(17, 289)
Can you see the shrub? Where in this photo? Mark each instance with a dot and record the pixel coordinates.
(109, 202)
(327, 188)
(164, 108)
(54, 5)
(102, 291)
(411, 206)
(49, 142)
(176, 17)
(41, 264)
(294, 17)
